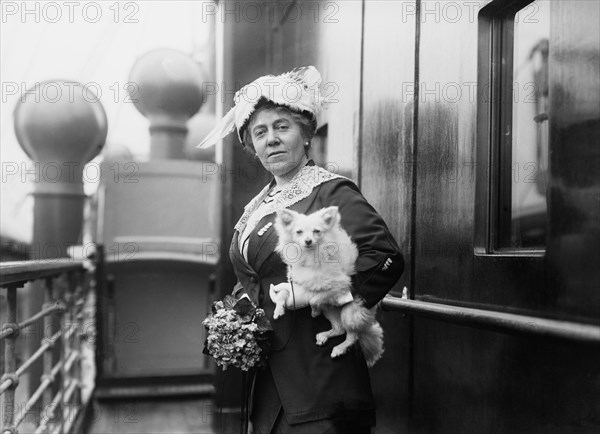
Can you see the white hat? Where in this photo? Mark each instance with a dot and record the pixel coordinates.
(297, 89)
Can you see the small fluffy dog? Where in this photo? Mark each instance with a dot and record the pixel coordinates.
(320, 257)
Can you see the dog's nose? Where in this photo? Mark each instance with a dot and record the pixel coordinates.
(308, 241)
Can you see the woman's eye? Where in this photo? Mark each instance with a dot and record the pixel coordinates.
(282, 127)
(258, 133)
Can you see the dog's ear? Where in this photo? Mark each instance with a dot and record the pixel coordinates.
(286, 217)
(329, 216)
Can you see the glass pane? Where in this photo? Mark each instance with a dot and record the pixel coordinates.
(530, 126)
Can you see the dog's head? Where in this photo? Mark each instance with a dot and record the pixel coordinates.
(305, 230)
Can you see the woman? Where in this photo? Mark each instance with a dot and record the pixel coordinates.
(302, 389)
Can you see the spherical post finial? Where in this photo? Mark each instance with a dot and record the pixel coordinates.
(167, 89)
(61, 125)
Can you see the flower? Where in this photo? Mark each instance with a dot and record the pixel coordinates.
(238, 333)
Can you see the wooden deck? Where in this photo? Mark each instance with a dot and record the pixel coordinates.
(153, 416)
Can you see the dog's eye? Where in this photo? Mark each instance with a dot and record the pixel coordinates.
(299, 232)
(317, 231)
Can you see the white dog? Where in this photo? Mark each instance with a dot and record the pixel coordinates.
(320, 257)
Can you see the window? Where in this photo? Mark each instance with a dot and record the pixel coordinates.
(513, 125)
(529, 153)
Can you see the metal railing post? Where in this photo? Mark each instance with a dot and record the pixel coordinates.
(64, 375)
(48, 355)
(10, 359)
(77, 316)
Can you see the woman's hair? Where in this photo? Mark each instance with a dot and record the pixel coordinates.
(304, 120)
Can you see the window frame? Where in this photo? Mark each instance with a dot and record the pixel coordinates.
(493, 192)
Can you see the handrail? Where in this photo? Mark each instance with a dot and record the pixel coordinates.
(497, 321)
(64, 300)
(24, 271)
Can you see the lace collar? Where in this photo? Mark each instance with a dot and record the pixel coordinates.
(298, 188)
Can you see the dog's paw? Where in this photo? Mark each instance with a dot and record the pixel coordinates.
(338, 352)
(322, 338)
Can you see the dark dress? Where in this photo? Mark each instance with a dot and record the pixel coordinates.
(302, 385)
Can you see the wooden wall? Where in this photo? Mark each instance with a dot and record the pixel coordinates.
(574, 254)
(467, 380)
(400, 130)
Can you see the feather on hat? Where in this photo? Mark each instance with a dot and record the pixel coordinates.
(298, 89)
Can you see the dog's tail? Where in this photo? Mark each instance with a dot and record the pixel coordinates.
(359, 320)
(371, 343)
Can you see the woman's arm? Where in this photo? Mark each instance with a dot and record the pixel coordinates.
(380, 263)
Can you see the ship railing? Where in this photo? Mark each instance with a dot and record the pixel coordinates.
(497, 321)
(56, 405)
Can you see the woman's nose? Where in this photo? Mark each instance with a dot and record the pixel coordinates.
(272, 138)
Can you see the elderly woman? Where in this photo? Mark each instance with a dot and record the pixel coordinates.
(302, 389)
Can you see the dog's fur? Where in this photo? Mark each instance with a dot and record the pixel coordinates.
(320, 257)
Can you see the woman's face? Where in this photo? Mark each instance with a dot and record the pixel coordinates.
(278, 141)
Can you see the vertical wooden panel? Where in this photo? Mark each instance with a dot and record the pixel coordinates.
(387, 114)
(340, 57)
(444, 215)
(574, 250)
(445, 148)
(328, 35)
(386, 177)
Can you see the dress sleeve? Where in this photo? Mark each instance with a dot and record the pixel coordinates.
(380, 263)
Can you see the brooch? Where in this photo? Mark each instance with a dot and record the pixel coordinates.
(264, 229)
(387, 264)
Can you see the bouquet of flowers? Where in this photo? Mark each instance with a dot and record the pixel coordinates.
(238, 333)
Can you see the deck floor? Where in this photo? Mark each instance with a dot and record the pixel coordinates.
(154, 416)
